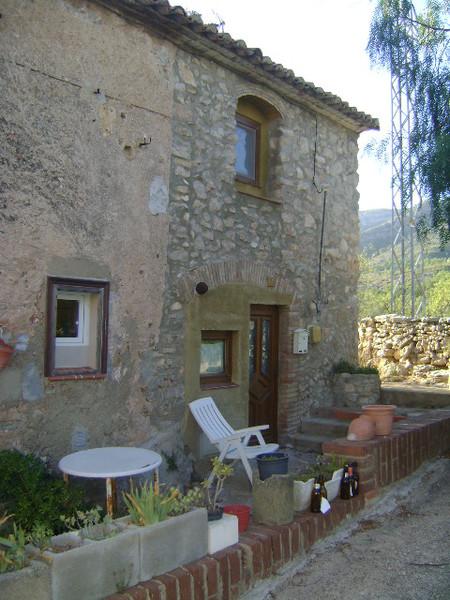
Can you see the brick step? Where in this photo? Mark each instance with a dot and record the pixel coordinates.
(324, 426)
(415, 396)
(337, 413)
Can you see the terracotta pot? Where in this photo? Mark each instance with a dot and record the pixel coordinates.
(5, 353)
(361, 429)
(382, 415)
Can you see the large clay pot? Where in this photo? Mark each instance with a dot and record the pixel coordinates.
(361, 429)
(5, 353)
(382, 415)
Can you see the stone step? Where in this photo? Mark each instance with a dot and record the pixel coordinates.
(324, 426)
(415, 396)
(308, 442)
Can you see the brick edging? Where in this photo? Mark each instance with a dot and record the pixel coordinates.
(262, 550)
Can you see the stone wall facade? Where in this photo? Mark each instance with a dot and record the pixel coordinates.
(119, 164)
(406, 349)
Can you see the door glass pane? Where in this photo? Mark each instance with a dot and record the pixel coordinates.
(252, 349)
(246, 151)
(67, 318)
(212, 357)
(265, 347)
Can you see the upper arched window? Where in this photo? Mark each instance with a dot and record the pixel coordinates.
(256, 124)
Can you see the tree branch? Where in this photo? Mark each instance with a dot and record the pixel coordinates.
(445, 30)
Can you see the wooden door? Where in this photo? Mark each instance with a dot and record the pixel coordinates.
(263, 368)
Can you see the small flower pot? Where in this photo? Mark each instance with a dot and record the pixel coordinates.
(242, 512)
(382, 415)
(5, 353)
(274, 463)
(215, 515)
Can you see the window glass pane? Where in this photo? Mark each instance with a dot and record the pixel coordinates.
(212, 359)
(265, 347)
(67, 318)
(246, 151)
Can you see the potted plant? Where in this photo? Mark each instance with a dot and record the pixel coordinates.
(330, 468)
(170, 529)
(273, 463)
(214, 487)
(355, 385)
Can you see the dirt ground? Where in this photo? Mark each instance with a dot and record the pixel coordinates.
(398, 549)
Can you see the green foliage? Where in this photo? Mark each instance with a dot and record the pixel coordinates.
(220, 472)
(374, 283)
(90, 523)
(438, 295)
(12, 548)
(32, 494)
(40, 536)
(345, 367)
(324, 465)
(145, 506)
(183, 503)
(397, 32)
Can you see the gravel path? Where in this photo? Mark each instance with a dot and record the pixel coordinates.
(399, 549)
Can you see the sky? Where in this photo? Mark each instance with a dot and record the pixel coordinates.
(324, 42)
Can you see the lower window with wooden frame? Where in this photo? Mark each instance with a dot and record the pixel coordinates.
(77, 328)
(216, 359)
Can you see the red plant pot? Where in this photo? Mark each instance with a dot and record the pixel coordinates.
(242, 512)
(5, 353)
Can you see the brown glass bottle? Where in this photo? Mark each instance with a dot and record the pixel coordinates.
(345, 487)
(321, 481)
(355, 482)
(316, 498)
(351, 480)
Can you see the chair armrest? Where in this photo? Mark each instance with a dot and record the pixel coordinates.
(241, 433)
(252, 429)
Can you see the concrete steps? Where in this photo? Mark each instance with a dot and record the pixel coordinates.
(415, 396)
(318, 429)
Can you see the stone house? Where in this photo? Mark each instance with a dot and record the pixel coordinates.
(174, 206)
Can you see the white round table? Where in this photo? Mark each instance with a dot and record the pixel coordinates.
(110, 463)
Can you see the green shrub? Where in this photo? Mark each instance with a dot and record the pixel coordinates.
(32, 494)
(345, 367)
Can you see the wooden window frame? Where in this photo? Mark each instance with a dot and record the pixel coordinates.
(221, 379)
(251, 124)
(79, 286)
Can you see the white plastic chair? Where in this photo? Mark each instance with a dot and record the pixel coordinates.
(232, 444)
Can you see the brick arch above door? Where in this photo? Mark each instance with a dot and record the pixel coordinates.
(244, 271)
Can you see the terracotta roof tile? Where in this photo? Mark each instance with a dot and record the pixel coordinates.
(161, 14)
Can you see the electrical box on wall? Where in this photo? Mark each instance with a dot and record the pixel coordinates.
(300, 341)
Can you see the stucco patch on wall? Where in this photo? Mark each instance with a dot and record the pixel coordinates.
(158, 197)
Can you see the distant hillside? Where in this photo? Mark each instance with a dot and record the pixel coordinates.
(375, 268)
(375, 230)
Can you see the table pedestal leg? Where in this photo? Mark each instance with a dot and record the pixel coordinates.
(156, 481)
(110, 496)
(66, 478)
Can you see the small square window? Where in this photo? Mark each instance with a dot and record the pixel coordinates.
(247, 149)
(77, 327)
(215, 358)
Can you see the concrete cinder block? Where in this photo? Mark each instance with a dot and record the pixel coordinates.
(223, 533)
(95, 569)
(174, 542)
(31, 582)
(273, 500)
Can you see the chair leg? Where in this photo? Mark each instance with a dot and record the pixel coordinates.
(246, 464)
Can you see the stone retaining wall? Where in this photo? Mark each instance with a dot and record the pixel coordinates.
(404, 348)
(261, 551)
